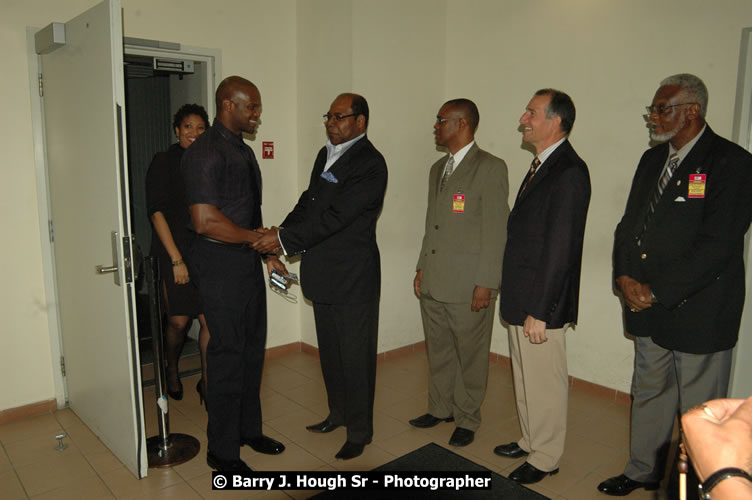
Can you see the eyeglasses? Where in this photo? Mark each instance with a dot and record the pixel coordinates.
(337, 117)
(662, 110)
(440, 120)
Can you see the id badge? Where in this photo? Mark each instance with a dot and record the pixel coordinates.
(458, 203)
(697, 185)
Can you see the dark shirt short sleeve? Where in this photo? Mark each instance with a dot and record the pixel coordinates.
(200, 167)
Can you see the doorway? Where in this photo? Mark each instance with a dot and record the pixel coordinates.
(159, 78)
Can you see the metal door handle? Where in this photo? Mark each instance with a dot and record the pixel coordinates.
(116, 252)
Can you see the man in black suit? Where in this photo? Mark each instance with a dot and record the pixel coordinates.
(223, 191)
(334, 226)
(678, 263)
(540, 282)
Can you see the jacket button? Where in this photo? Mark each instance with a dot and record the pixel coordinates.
(644, 256)
(436, 226)
(433, 251)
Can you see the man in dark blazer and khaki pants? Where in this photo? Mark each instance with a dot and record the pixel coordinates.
(541, 282)
(459, 269)
(333, 226)
(679, 265)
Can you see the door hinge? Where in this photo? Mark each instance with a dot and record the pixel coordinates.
(52, 231)
(62, 365)
(41, 85)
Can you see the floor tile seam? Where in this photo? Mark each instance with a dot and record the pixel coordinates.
(13, 468)
(96, 472)
(190, 485)
(304, 374)
(598, 441)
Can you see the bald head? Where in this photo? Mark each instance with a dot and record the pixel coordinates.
(238, 104)
(229, 87)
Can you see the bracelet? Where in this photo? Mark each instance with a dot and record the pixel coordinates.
(712, 480)
(176, 263)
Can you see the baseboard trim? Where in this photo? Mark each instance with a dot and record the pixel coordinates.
(599, 391)
(26, 411)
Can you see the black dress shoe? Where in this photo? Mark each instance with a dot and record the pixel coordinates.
(323, 427)
(217, 463)
(461, 437)
(264, 444)
(427, 420)
(618, 486)
(350, 450)
(511, 450)
(529, 474)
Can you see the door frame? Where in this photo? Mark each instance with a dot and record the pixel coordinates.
(212, 57)
(741, 370)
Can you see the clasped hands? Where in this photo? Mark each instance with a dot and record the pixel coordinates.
(268, 243)
(637, 295)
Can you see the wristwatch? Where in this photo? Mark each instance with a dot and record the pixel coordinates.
(712, 480)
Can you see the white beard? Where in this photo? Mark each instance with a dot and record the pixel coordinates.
(667, 136)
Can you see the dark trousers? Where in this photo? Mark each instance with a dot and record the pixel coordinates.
(348, 335)
(231, 283)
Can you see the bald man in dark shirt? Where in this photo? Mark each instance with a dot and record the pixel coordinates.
(223, 191)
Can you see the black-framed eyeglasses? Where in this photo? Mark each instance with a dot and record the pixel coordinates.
(440, 120)
(338, 117)
(660, 109)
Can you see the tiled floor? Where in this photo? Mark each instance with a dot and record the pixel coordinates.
(293, 396)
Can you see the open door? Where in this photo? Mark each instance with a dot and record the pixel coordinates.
(83, 100)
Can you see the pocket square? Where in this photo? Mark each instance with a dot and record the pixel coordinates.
(679, 198)
(329, 177)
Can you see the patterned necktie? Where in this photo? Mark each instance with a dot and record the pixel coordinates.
(448, 169)
(673, 162)
(533, 167)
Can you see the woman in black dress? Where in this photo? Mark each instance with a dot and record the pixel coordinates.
(171, 238)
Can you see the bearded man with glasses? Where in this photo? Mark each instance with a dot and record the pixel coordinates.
(679, 265)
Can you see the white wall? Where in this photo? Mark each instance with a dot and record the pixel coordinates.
(407, 58)
(610, 57)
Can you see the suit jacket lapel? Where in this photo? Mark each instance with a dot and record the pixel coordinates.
(340, 167)
(692, 163)
(458, 175)
(542, 171)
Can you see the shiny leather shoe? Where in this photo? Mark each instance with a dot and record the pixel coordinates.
(529, 474)
(264, 444)
(220, 465)
(350, 450)
(461, 437)
(511, 450)
(323, 427)
(427, 420)
(618, 486)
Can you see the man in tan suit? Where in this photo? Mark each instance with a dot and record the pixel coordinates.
(459, 270)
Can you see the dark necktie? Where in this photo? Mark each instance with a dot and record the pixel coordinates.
(673, 162)
(533, 167)
(447, 172)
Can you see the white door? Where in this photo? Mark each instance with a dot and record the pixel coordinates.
(88, 180)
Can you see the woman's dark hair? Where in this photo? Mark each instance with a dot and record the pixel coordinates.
(188, 110)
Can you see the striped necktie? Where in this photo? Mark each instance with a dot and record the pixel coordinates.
(673, 162)
(530, 173)
(448, 169)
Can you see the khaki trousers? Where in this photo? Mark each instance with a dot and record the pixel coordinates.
(457, 342)
(541, 388)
